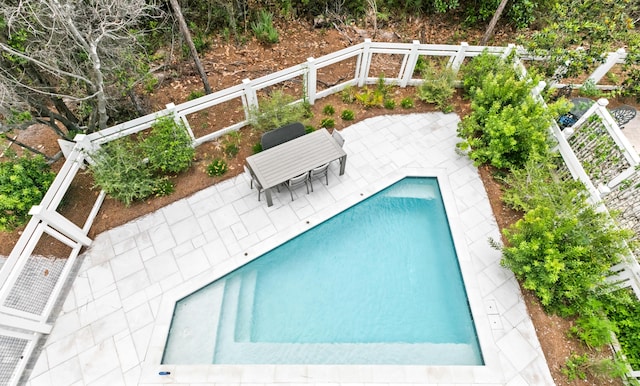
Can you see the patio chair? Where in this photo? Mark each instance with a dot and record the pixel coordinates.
(319, 172)
(281, 135)
(295, 182)
(623, 114)
(339, 138)
(253, 180)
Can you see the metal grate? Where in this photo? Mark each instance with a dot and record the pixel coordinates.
(35, 284)
(11, 352)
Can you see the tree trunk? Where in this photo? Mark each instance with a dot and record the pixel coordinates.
(187, 37)
(493, 22)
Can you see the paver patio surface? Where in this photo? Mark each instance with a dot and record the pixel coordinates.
(113, 324)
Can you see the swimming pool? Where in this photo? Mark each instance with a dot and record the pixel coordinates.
(376, 284)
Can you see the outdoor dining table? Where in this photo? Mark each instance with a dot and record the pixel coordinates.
(280, 163)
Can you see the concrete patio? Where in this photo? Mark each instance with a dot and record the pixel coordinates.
(113, 324)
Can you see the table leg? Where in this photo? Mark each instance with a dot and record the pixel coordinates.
(343, 163)
(267, 192)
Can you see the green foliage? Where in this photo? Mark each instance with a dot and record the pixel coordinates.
(506, 127)
(421, 65)
(231, 144)
(597, 27)
(348, 95)
(168, 147)
(563, 247)
(275, 111)
(594, 330)
(348, 115)
(23, 183)
(309, 129)
(217, 167)
(480, 66)
(437, 87)
(370, 98)
(625, 313)
(256, 148)
(328, 110)
(195, 95)
(327, 123)
(575, 367)
(263, 28)
(579, 366)
(120, 170)
(590, 90)
(389, 104)
(407, 103)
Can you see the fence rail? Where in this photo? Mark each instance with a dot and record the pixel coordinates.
(22, 326)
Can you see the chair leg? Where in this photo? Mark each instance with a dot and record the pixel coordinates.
(310, 183)
(327, 177)
(291, 193)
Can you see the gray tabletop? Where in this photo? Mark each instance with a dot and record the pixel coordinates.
(280, 163)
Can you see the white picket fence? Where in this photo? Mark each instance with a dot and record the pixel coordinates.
(31, 285)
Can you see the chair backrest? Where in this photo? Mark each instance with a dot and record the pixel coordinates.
(281, 135)
(319, 171)
(339, 138)
(297, 180)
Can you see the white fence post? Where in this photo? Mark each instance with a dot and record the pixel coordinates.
(612, 60)
(171, 107)
(311, 81)
(365, 62)
(249, 99)
(409, 64)
(456, 61)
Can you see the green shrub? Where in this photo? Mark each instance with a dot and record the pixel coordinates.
(370, 97)
(506, 126)
(264, 29)
(309, 129)
(256, 148)
(217, 167)
(328, 110)
(437, 87)
(389, 104)
(120, 170)
(23, 183)
(348, 115)
(480, 66)
(348, 95)
(594, 330)
(327, 123)
(168, 147)
(407, 103)
(374, 97)
(563, 247)
(275, 111)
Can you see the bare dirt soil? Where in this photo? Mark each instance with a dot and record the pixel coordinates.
(226, 65)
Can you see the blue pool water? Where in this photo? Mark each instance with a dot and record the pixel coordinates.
(376, 284)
